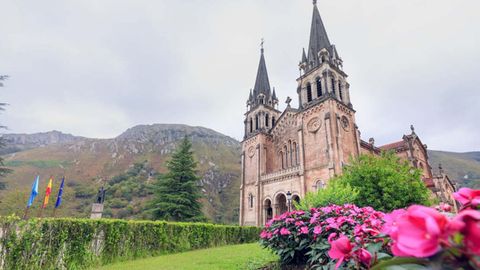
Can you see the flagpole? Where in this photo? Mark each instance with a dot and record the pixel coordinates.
(26, 213)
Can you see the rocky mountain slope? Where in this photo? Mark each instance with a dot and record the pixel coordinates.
(89, 163)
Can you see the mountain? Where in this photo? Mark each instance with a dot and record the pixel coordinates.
(464, 168)
(20, 142)
(139, 153)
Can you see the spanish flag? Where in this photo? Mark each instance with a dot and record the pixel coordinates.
(47, 192)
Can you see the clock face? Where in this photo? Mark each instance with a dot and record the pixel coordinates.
(251, 151)
(345, 124)
(314, 124)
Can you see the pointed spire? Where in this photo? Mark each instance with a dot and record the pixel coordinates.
(304, 56)
(250, 97)
(318, 36)
(262, 84)
(274, 95)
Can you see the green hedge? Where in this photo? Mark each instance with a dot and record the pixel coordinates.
(82, 243)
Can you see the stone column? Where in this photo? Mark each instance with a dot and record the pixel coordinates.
(301, 155)
(97, 211)
(242, 189)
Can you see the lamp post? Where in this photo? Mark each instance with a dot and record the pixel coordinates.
(289, 200)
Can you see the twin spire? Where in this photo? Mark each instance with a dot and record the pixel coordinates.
(319, 43)
(318, 36)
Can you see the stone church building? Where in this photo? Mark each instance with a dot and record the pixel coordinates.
(289, 153)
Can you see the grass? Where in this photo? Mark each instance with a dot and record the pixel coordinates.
(246, 256)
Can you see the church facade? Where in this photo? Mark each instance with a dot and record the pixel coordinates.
(287, 154)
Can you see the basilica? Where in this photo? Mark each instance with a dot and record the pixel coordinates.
(287, 154)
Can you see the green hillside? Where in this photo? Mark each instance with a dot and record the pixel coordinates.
(464, 168)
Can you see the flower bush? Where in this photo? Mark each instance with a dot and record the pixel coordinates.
(345, 237)
(349, 237)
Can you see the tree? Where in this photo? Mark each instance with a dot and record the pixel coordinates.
(3, 171)
(385, 182)
(335, 193)
(176, 193)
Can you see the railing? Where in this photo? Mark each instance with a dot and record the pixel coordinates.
(281, 174)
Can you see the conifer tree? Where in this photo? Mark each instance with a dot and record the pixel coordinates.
(176, 193)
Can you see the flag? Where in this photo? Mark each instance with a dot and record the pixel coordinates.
(47, 192)
(60, 193)
(34, 191)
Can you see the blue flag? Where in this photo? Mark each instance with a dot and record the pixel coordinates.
(60, 192)
(34, 191)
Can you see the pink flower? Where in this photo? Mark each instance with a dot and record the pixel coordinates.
(317, 230)
(364, 256)
(263, 235)
(419, 232)
(467, 196)
(390, 226)
(340, 250)
(304, 230)
(284, 231)
(470, 230)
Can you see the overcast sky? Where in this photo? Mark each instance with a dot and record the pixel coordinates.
(95, 68)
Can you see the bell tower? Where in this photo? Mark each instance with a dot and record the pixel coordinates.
(262, 102)
(321, 69)
(323, 89)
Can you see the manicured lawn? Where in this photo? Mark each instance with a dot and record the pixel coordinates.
(247, 256)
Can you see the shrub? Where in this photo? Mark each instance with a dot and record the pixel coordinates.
(322, 237)
(83, 243)
(385, 183)
(335, 193)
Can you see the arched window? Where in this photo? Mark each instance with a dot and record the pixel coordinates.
(309, 92)
(291, 152)
(273, 121)
(320, 185)
(251, 125)
(281, 157)
(250, 200)
(296, 153)
(340, 91)
(333, 85)
(256, 122)
(286, 156)
(267, 120)
(319, 87)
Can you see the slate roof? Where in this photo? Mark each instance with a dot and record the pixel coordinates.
(318, 36)
(262, 84)
(393, 145)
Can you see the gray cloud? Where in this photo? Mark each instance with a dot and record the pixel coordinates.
(95, 68)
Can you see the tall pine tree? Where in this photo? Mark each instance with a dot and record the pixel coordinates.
(176, 193)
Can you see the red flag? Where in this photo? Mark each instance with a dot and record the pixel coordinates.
(47, 192)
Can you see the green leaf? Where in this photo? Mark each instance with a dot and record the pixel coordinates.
(401, 262)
